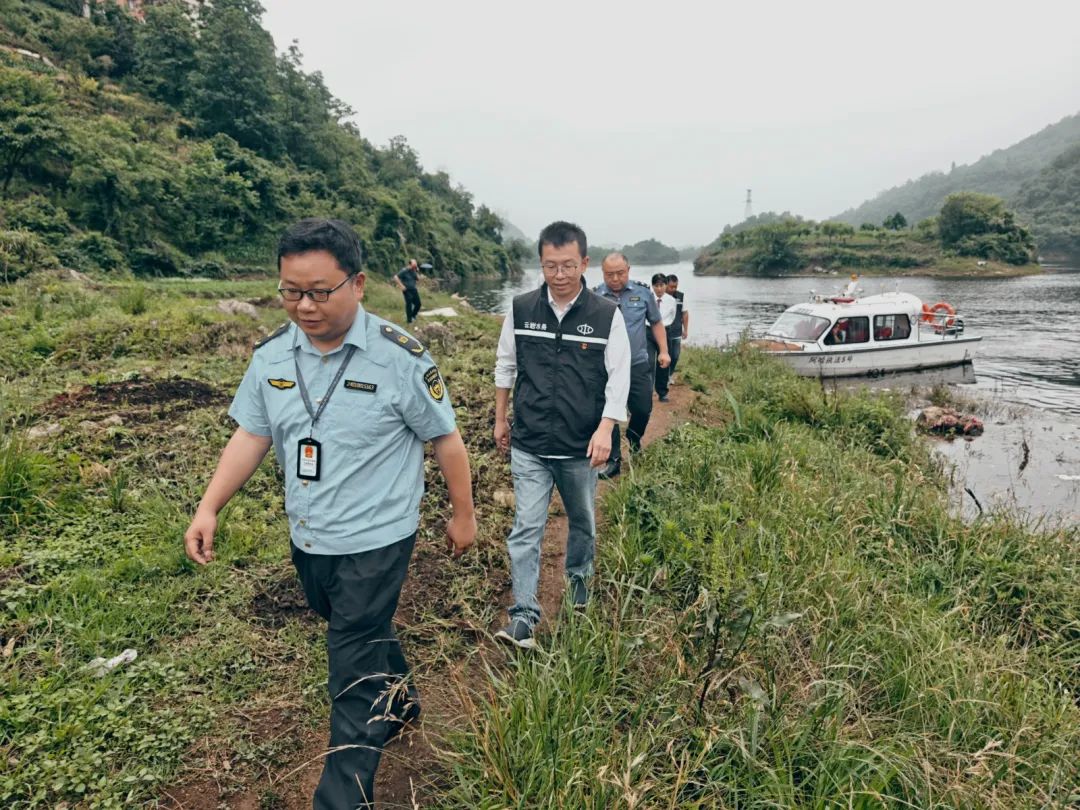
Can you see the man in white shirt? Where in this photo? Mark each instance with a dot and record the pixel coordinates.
(565, 353)
(668, 307)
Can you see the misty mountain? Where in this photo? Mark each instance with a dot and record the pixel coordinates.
(511, 232)
(1003, 173)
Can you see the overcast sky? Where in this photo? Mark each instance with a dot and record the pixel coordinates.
(652, 119)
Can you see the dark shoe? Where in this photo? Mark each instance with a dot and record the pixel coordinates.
(664, 398)
(610, 470)
(518, 633)
(406, 716)
(579, 593)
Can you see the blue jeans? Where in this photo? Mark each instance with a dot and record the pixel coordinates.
(534, 478)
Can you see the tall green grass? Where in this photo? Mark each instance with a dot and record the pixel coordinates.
(789, 617)
(92, 561)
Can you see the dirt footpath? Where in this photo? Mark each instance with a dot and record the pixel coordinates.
(409, 769)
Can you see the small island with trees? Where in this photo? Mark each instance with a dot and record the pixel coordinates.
(973, 235)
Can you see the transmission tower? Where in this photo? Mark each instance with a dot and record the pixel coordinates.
(749, 206)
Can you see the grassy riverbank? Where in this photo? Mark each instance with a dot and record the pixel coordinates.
(791, 617)
(787, 614)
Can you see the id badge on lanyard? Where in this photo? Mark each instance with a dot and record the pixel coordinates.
(309, 452)
(308, 459)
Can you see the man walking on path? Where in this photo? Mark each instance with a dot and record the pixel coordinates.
(678, 330)
(667, 306)
(406, 282)
(347, 401)
(638, 307)
(565, 353)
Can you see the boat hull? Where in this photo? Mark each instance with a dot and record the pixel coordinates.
(876, 359)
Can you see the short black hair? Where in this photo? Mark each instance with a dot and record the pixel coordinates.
(562, 233)
(672, 278)
(319, 233)
(659, 278)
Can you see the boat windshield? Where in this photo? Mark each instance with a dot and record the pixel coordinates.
(798, 326)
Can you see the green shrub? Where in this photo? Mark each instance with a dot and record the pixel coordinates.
(22, 252)
(90, 251)
(158, 259)
(23, 474)
(134, 300)
(35, 213)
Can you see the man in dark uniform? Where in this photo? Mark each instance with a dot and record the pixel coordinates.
(642, 317)
(406, 280)
(565, 354)
(679, 329)
(347, 401)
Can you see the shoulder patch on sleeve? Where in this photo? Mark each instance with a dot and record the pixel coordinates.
(281, 330)
(435, 385)
(410, 344)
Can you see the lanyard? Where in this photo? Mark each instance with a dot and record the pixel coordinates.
(315, 414)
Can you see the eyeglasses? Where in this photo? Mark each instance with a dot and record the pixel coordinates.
(567, 267)
(319, 296)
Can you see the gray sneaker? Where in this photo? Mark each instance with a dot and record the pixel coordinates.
(518, 633)
(579, 593)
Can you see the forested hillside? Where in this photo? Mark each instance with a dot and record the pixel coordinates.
(1051, 203)
(183, 145)
(1012, 174)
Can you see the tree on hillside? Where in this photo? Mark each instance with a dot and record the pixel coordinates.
(488, 224)
(30, 127)
(118, 56)
(165, 50)
(897, 222)
(233, 87)
(774, 250)
(979, 225)
(310, 114)
(836, 230)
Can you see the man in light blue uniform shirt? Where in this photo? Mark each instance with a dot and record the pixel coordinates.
(348, 401)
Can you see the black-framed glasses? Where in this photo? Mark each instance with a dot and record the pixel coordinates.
(552, 269)
(318, 296)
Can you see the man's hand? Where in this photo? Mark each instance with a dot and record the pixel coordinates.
(599, 449)
(664, 359)
(502, 434)
(199, 538)
(684, 334)
(460, 534)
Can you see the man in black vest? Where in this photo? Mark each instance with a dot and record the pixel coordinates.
(565, 353)
(678, 330)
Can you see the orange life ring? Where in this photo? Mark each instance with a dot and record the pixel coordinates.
(936, 310)
(927, 316)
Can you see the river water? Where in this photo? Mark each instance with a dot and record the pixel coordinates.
(1029, 354)
(1026, 368)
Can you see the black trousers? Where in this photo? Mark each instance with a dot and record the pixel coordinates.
(412, 303)
(639, 404)
(358, 594)
(674, 347)
(663, 375)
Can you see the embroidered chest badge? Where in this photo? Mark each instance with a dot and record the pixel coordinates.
(282, 385)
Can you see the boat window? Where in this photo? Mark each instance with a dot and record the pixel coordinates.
(892, 327)
(799, 326)
(848, 330)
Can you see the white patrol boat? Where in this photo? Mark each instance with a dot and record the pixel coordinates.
(844, 335)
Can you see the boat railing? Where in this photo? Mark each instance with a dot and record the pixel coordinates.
(943, 325)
